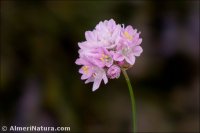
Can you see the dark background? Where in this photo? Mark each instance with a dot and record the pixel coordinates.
(40, 83)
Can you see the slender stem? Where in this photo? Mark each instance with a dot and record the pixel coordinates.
(132, 101)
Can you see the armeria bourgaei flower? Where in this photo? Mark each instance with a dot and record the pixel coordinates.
(107, 49)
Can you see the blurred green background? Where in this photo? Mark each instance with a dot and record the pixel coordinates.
(40, 83)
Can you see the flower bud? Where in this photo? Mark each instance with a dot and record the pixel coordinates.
(113, 72)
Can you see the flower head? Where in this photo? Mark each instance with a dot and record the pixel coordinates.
(109, 48)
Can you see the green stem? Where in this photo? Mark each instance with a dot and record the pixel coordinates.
(132, 101)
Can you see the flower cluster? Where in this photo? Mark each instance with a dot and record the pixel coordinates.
(109, 48)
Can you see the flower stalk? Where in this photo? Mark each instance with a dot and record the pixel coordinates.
(132, 101)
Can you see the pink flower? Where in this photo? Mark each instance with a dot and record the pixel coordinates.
(114, 72)
(106, 50)
(129, 46)
(98, 75)
(130, 36)
(100, 57)
(127, 52)
(106, 34)
(91, 73)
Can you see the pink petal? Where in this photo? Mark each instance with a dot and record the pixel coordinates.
(130, 59)
(89, 80)
(79, 61)
(84, 76)
(81, 44)
(137, 50)
(82, 61)
(111, 23)
(108, 64)
(90, 36)
(139, 41)
(129, 29)
(136, 37)
(96, 84)
(105, 79)
(118, 57)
